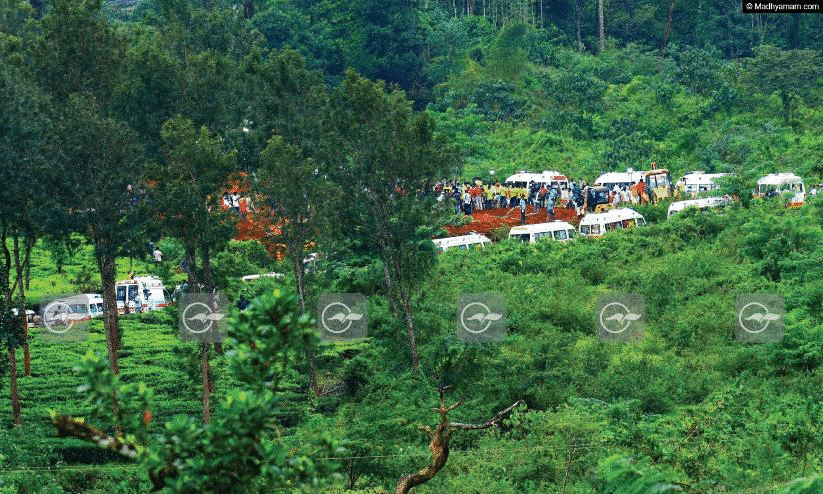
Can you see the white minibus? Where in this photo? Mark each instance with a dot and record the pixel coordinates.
(556, 230)
(596, 224)
(462, 242)
(702, 204)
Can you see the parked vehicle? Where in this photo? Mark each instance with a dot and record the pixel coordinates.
(29, 316)
(252, 277)
(462, 242)
(658, 182)
(152, 293)
(85, 306)
(67, 311)
(549, 178)
(694, 183)
(596, 224)
(778, 184)
(556, 230)
(702, 204)
(596, 199)
(619, 180)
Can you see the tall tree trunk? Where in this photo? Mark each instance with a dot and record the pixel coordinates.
(248, 9)
(21, 306)
(601, 30)
(29, 246)
(204, 374)
(15, 396)
(407, 315)
(542, 20)
(578, 15)
(296, 253)
(6, 290)
(390, 258)
(191, 259)
(390, 290)
(667, 31)
(111, 323)
(208, 279)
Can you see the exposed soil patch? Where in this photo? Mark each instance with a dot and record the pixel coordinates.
(492, 219)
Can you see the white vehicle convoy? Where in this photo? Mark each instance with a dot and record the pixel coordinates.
(777, 184)
(702, 204)
(148, 290)
(694, 183)
(549, 178)
(556, 230)
(596, 224)
(462, 242)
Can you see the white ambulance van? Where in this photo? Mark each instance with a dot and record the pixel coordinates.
(596, 224)
(693, 183)
(75, 308)
(702, 204)
(556, 230)
(549, 178)
(151, 290)
(777, 184)
(462, 242)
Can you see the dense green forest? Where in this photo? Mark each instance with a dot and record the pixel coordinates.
(121, 123)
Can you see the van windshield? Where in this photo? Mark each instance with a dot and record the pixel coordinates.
(584, 229)
(78, 309)
(522, 237)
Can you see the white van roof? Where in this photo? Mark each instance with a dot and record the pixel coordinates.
(708, 202)
(149, 281)
(472, 238)
(629, 176)
(83, 298)
(540, 227)
(611, 216)
(779, 179)
(701, 177)
(252, 277)
(545, 176)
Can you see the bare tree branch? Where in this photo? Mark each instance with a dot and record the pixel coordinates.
(440, 438)
(71, 427)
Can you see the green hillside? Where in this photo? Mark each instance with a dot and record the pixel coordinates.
(319, 130)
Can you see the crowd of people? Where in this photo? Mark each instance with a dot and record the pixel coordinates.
(473, 196)
(478, 196)
(237, 203)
